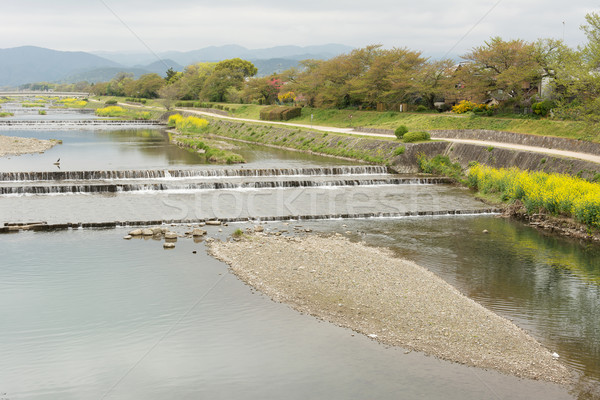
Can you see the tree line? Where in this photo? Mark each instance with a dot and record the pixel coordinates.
(508, 74)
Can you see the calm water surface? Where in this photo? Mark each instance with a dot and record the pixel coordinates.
(88, 315)
(125, 149)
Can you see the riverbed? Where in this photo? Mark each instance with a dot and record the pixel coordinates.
(84, 307)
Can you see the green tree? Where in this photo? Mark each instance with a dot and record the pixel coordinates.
(237, 67)
(505, 67)
(148, 86)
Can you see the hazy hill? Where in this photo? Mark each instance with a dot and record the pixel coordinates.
(218, 53)
(27, 64)
(30, 64)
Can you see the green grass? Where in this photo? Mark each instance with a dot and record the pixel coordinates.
(6, 114)
(350, 146)
(425, 121)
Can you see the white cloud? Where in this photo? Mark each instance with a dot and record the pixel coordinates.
(430, 26)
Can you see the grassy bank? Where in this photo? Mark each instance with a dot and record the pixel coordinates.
(192, 134)
(428, 121)
(340, 145)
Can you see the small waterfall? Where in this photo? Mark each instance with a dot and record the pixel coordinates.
(169, 186)
(192, 173)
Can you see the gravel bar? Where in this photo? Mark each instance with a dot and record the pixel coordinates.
(392, 300)
(10, 145)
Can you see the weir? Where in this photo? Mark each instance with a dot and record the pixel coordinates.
(79, 123)
(116, 188)
(189, 173)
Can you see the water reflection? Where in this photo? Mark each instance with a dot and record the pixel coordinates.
(548, 285)
(136, 149)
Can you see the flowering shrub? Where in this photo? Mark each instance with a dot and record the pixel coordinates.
(189, 124)
(557, 194)
(287, 97)
(466, 106)
(111, 111)
(120, 112)
(174, 119)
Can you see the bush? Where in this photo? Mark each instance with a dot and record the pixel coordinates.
(543, 107)
(466, 106)
(174, 119)
(440, 165)
(556, 194)
(189, 124)
(416, 137)
(399, 150)
(444, 107)
(111, 111)
(280, 113)
(400, 131)
(110, 102)
(422, 108)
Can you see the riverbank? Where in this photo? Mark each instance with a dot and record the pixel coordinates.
(394, 301)
(11, 145)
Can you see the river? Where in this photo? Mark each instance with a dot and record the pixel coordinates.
(89, 315)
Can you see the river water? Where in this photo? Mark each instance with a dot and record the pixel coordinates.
(88, 315)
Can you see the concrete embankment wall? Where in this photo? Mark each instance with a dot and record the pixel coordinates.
(506, 158)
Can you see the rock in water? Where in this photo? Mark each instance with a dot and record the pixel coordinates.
(198, 232)
(169, 245)
(170, 235)
(214, 223)
(127, 237)
(135, 232)
(147, 232)
(259, 228)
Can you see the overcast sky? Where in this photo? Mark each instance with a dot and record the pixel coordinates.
(433, 26)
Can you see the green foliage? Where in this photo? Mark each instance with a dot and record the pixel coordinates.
(238, 233)
(110, 102)
(400, 131)
(136, 100)
(542, 108)
(42, 112)
(399, 150)
(411, 137)
(6, 114)
(441, 165)
(422, 108)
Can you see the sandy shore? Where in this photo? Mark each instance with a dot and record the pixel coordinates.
(394, 301)
(10, 145)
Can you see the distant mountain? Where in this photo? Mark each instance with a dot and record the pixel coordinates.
(102, 74)
(28, 64)
(160, 67)
(219, 53)
(273, 65)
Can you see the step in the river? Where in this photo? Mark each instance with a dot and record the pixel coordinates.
(298, 218)
(190, 173)
(119, 188)
(78, 123)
